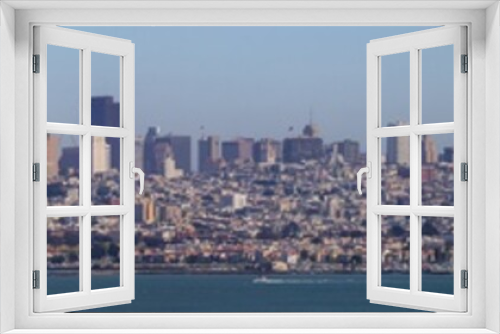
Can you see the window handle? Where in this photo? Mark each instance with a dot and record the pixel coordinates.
(134, 170)
(368, 171)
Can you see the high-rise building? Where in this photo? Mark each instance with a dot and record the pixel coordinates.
(139, 152)
(149, 164)
(101, 155)
(106, 112)
(448, 154)
(237, 150)
(181, 149)
(162, 150)
(52, 156)
(349, 149)
(70, 159)
(265, 151)
(307, 147)
(398, 148)
(208, 154)
(429, 150)
(302, 148)
(170, 170)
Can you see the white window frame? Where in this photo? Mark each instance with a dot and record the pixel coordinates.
(482, 19)
(414, 43)
(86, 44)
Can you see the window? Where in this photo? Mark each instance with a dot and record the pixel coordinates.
(90, 145)
(408, 145)
(482, 237)
(276, 237)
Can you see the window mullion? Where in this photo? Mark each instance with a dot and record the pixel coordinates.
(414, 170)
(86, 166)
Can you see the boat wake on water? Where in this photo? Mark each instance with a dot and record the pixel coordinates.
(268, 280)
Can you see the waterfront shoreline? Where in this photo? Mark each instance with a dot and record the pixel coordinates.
(106, 272)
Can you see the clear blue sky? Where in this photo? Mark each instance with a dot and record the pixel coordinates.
(257, 81)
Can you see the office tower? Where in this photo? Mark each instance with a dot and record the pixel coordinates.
(307, 147)
(181, 149)
(70, 159)
(162, 150)
(52, 156)
(302, 148)
(101, 155)
(398, 148)
(429, 150)
(139, 152)
(264, 151)
(106, 112)
(149, 150)
(169, 169)
(208, 154)
(237, 150)
(278, 149)
(349, 149)
(448, 154)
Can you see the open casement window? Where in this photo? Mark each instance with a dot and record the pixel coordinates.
(69, 153)
(415, 195)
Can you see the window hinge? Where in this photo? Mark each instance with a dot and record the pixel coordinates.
(464, 172)
(465, 64)
(36, 279)
(36, 172)
(465, 279)
(36, 63)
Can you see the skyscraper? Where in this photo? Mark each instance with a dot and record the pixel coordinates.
(181, 148)
(170, 171)
(398, 148)
(429, 151)
(349, 149)
(306, 147)
(237, 150)
(106, 112)
(70, 158)
(52, 156)
(149, 150)
(448, 154)
(265, 151)
(101, 155)
(208, 154)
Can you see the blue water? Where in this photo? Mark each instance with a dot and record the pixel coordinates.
(240, 293)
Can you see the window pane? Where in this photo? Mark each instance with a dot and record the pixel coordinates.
(105, 171)
(105, 90)
(395, 89)
(437, 170)
(437, 84)
(63, 170)
(63, 85)
(395, 247)
(105, 252)
(63, 260)
(395, 171)
(437, 254)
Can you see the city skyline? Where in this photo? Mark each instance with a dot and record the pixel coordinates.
(173, 156)
(251, 74)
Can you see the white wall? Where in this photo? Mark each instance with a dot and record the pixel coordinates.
(7, 159)
(492, 149)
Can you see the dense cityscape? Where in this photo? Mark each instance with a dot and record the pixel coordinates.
(250, 205)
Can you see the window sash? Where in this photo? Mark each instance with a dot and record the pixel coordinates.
(413, 43)
(86, 44)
